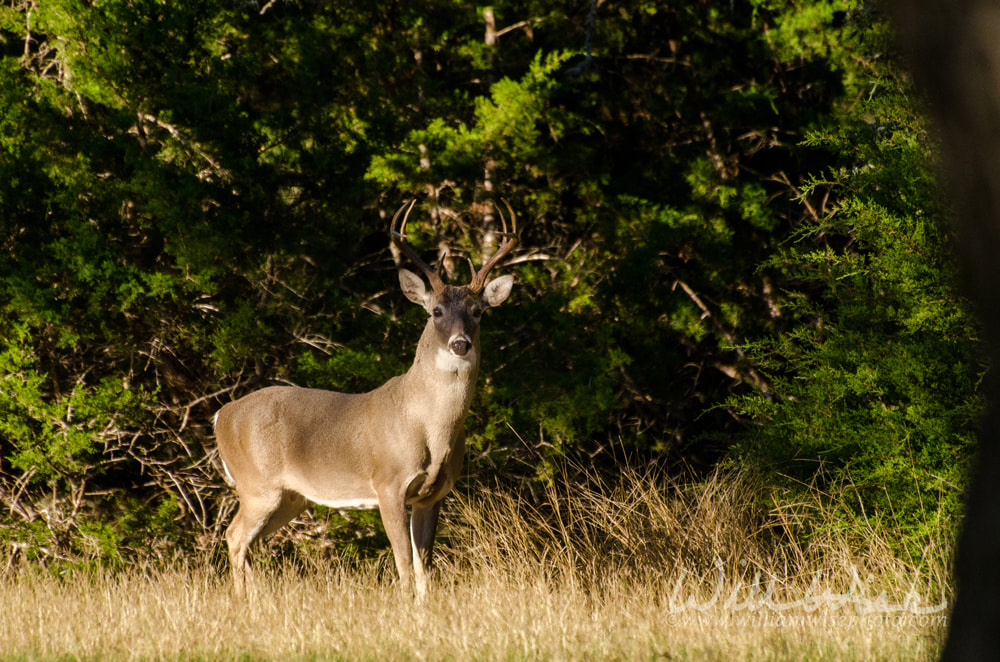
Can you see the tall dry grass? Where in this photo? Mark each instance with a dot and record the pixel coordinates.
(638, 568)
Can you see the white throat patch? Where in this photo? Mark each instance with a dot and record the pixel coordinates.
(445, 360)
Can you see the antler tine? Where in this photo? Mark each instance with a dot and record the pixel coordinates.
(513, 221)
(509, 240)
(399, 238)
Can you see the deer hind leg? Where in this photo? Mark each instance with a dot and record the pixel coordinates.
(291, 504)
(249, 520)
(257, 517)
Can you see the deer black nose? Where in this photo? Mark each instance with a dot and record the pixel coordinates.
(460, 346)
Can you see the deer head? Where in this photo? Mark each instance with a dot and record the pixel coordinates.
(455, 310)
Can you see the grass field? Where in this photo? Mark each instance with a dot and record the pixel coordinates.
(639, 570)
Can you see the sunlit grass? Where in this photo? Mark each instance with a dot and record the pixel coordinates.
(640, 569)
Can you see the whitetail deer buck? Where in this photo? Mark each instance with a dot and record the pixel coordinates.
(402, 444)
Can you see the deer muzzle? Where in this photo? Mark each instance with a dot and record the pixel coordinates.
(460, 344)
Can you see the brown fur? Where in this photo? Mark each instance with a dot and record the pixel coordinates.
(399, 445)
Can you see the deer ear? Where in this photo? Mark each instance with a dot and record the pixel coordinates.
(413, 287)
(497, 290)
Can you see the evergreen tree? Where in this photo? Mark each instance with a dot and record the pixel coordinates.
(877, 375)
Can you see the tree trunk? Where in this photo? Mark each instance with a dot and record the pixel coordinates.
(954, 53)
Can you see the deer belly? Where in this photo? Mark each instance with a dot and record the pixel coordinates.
(343, 492)
(364, 503)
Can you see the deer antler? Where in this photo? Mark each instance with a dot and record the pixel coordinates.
(509, 240)
(399, 238)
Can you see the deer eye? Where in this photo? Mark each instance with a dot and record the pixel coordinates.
(438, 312)
(477, 312)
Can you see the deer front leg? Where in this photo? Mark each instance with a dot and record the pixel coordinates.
(423, 525)
(437, 472)
(392, 507)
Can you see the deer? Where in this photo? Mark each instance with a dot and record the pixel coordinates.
(400, 445)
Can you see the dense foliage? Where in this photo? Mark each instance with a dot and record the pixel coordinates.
(731, 249)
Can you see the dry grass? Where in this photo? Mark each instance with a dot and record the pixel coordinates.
(583, 571)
